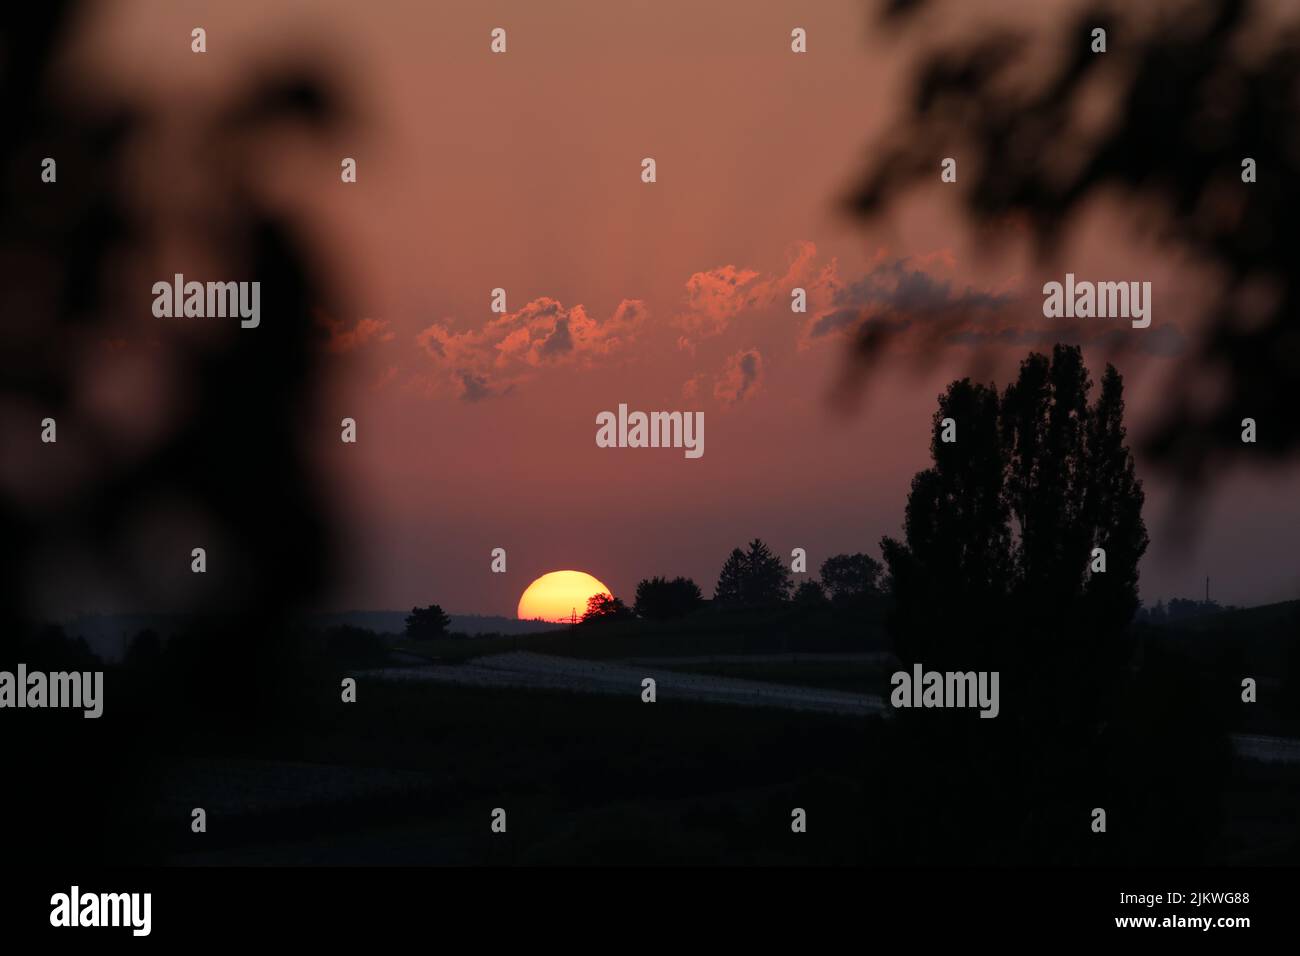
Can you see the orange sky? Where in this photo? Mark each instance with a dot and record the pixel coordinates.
(521, 171)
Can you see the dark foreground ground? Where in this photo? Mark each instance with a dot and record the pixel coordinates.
(412, 772)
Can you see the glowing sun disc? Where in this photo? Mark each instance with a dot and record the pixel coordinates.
(557, 596)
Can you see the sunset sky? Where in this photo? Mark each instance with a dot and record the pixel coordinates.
(522, 171)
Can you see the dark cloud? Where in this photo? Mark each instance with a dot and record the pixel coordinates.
(898, 285)
(559, 342)
(741, 375)
(901, 290)
(474, 388)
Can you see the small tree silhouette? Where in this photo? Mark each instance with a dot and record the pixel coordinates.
(426, 623)
(605, 607)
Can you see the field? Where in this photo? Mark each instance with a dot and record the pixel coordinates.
(582, 779)
(413, 770)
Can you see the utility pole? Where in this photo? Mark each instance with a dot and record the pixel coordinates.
(1207, 589)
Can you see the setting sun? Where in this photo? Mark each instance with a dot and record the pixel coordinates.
(558, 596)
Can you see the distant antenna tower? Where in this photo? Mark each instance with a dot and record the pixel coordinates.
(573, 615)
(1207, 589)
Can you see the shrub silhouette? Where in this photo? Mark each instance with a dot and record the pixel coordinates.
(658, 599)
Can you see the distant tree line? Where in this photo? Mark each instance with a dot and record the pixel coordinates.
(1178, 609)
(751, 578)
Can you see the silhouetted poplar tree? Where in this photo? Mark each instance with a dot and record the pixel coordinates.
(996, 569)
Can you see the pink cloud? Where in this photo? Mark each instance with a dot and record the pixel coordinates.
(509, 348)
(715, 297)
